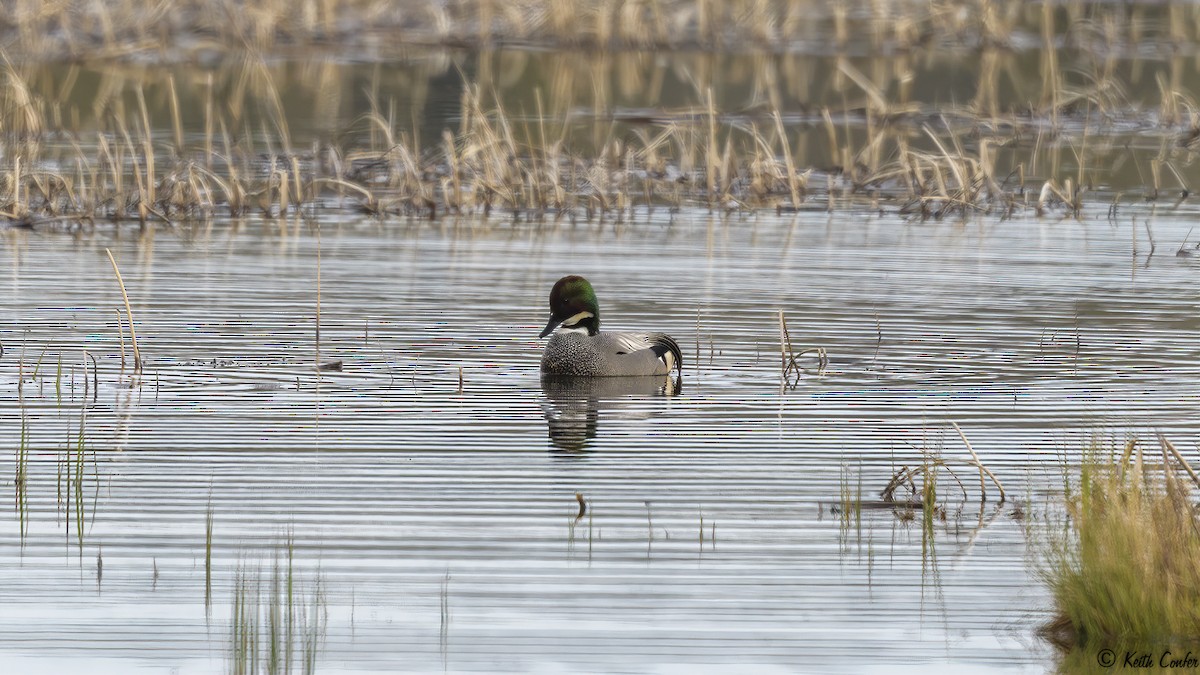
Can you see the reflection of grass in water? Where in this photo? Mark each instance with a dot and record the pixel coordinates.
(76, 484)
(930, 510)
(850, 498)
(71, 479)
(71, 458)
(21, 479)
(208, 539)
(277, 626)
(849, 508)
(1124, 565)
(71, 463)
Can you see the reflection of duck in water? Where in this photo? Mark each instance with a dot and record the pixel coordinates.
(579, 348)
(572, 405)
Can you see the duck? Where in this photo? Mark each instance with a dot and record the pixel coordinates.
(579, 348)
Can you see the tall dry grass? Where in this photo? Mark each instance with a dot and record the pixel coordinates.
(1126, 569)
(589, 136)
(76, 29)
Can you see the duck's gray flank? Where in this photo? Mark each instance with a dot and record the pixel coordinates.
(579, 347)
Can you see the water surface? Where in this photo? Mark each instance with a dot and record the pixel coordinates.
(442, 522)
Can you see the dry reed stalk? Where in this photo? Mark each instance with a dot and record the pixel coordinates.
(317, 317)
(19, 208)
(982, 469)
(562, 15)
(711, 150)
(176, 118)
(30, 122)
(486, 167)
(209, 115)
(143, 27)
(783, 353)
(1169, 446)
(236, 193)
(148, 197)
(137, 355)
(371, 203)
(1051, 74)
(297, 182)
(120, 336)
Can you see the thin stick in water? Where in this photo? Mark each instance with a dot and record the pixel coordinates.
(121, 336)
(782, 353)
(137, 355)
(317, 331)
(1187, 467)
(982, 469)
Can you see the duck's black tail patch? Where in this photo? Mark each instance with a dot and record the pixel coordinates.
(664, 344)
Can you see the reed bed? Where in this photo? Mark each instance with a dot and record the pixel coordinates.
(144, 29)
(590, 137)
(501, 164)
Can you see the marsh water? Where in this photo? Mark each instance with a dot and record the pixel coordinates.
(430, 489)
(338, 453)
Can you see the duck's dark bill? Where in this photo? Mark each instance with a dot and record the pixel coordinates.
(550, 326)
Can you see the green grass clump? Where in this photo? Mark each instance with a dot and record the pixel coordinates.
(1126, 569)
(276, 626)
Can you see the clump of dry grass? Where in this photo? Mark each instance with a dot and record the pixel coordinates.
(134, 160)
(496, 163)
(1127, 569)
(493, 163)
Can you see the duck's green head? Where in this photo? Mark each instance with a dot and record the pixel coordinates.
(573, 305)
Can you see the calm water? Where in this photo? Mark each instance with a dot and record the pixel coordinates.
(442, 523)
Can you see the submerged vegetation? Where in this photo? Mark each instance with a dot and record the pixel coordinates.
(1126, 568)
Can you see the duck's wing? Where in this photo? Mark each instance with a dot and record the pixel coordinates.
(633, 353)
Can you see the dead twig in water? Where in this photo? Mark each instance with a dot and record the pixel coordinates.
(1168, 445)
(317, 322)
(787, 357)
(982, 469)
(582, 506)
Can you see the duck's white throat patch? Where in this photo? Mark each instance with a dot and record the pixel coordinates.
(572, 324)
